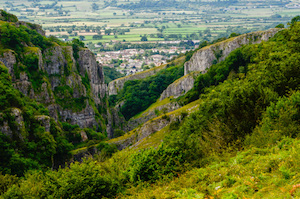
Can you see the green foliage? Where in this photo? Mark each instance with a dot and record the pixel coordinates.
(140, 94)
(87, 180)
(76, 45)
(251, 173)
(36, 76)
(31, 147)
(93, 135)
(106, 149)
(7, 17)
(118, 133)
(154, 164)
(9, 97)
(233, 109)
(237, 61)
(7, 181)
(64, 97)
(13, 37)
(72, 132)
(86, 81)
(295, 20)
(279, 26)
(281, 119)
(111, 74)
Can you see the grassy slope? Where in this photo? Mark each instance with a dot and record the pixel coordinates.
(272, 172)
(189, 108)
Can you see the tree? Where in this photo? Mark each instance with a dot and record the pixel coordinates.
(97, 37)
(280, 26)
(95, 7)
(144, 38)
(81, 37)
(295, 19)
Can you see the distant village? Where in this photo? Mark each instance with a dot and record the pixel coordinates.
(130, 61)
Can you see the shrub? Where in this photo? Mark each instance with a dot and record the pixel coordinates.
(154, 164)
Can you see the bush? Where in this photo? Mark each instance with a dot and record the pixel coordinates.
(281, 119)
(154, 164)
(80, 180)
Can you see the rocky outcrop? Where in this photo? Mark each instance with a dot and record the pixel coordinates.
(44, 121)
(9, 60)
(115, 121)
(84, 118)
(180, 87)
(64, 80)
(88, 64)
(205, 57)
(150, 114)
(116, 85)
(15, 126)
(146, 129)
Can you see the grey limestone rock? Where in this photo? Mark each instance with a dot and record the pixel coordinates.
(9, 60)
(205, 57)
(180, 87)
(44, 121)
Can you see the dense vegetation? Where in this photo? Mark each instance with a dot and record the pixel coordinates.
(242, 142)
(111, 74)
(30, 139)
(138, 95)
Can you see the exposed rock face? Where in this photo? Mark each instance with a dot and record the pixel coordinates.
(44, 121)
(64, 82)
(55, 60)
(150, 114)
(88, 64)
(205, 57)
(9, 60)
(180, 86)
(115, 121)
(84, 118)
(24, 85)
(150, 127)
(115, 86)
(18, 131)
(83, 135)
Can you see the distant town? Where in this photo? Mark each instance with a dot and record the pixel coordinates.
(130, 61)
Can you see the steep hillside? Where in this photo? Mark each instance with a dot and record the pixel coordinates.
(132, 95)
(65, 78)
(49, 91)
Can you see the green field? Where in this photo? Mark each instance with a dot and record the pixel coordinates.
(184, 20)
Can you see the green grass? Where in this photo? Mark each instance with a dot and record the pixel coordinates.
(155, 105)
(252, 173)
(189, 108)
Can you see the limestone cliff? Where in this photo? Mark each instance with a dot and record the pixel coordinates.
(209, 55)
(73, 89)
(205, 57)
(180, 86)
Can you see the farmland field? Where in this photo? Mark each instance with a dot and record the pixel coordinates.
(157, 19)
